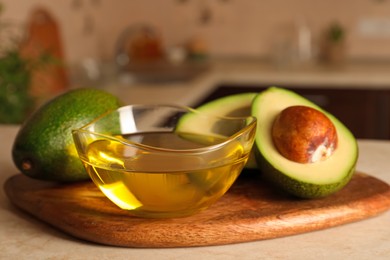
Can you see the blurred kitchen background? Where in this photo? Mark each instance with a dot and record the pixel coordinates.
(313, 46)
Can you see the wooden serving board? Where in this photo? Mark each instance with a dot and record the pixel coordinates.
(250, 210)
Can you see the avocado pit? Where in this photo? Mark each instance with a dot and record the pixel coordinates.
(304, 135)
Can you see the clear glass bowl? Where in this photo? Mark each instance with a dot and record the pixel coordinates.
(162, 161)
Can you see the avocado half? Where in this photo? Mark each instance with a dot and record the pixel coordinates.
(232, 105)
(235, 105)
(311, 180)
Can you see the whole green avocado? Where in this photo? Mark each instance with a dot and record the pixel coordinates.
(44, 149)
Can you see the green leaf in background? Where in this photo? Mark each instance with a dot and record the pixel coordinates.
(15, 76)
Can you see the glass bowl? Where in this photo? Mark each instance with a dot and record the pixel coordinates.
(163, 161)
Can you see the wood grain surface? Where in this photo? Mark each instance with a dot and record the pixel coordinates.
(251, 210)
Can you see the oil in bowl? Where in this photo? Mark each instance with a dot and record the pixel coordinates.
(160, 170)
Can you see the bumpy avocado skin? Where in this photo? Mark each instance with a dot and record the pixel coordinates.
(44, 141)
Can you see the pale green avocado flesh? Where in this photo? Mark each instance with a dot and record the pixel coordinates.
(311, 180)
(236, 105)
(232, 105)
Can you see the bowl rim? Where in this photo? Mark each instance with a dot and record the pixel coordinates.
(251, 124)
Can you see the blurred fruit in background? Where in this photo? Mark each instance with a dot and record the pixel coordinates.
(43, 37)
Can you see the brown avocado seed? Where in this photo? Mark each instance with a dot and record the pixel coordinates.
(304, 135)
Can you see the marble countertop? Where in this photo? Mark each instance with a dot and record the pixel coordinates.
(23, 237)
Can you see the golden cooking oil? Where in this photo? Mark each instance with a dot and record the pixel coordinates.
(167, 182)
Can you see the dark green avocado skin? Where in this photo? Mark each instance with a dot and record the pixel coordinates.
(45, 140)
(296, 187)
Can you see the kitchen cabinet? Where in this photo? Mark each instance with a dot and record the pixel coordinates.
(366, 112)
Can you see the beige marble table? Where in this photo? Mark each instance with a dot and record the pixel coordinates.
(23, 237)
